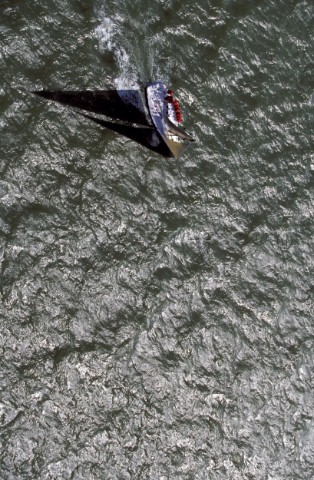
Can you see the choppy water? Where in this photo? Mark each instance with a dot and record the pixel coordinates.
(157, 315)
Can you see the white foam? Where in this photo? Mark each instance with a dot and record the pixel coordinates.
(110, 37)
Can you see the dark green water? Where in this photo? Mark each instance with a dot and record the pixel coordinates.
(157, 315)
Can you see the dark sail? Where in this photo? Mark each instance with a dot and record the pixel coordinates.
(146, 136)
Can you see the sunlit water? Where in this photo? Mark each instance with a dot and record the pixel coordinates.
(157, 315)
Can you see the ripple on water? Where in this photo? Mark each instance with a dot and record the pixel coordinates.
(157, 314)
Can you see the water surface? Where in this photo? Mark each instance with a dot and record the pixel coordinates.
(157, 315)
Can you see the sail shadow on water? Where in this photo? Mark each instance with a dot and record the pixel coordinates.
(147, 118)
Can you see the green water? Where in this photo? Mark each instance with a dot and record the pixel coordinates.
(157, 315)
